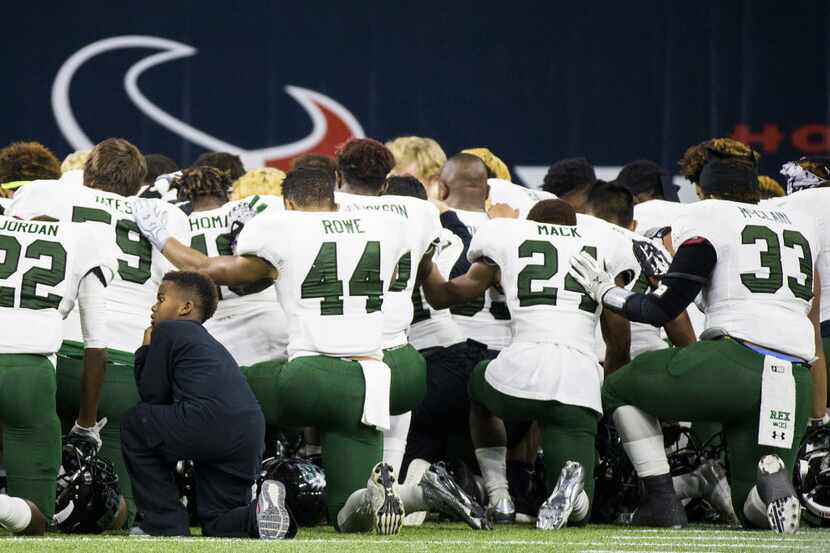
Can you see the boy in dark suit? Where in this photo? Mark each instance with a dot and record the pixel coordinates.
(195, 404)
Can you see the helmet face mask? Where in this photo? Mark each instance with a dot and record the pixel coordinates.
(812, 477)
(88, 498)
(305, 487)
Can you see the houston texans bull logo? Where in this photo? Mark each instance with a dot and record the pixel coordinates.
(332, 123)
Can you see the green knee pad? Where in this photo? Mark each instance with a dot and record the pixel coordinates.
(119, 393)
(31, 435)
(409, 378)
(263, 379)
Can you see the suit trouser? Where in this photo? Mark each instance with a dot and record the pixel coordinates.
(154, 438)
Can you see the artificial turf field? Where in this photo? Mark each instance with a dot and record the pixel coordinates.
(455, 538)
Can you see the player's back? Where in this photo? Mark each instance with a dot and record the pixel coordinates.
(518, 197)
(762, 285)
(422, 227)
(43, 264)
(140, 267)
(334, 268)
(252, 326)
(546, 303)
(657, 214)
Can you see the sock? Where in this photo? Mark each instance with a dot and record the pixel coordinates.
(493, 464)
(412, 496)
(687, 486)
(15, 513)
(581, 507)
(660, 484)
(356, 514)
(313, 449)
(394, 440)
(642, 440)
(755, 510)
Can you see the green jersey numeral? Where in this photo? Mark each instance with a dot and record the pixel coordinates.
(770, 258)
(322, 282)
(130, 244)
(420, 311)
(546, 271)
(54, 275)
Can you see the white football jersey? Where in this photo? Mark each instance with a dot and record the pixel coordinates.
(423, 226)
(657, 214)
(517, 197)
(487, 319)
(43, 265)
(815, 204)
(551, 313)
(436, 327)
(334, 269)
(762, 286)
(140, 266)
(252, 327)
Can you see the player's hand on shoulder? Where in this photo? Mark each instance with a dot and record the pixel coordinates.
(503, 211)
(151, 220)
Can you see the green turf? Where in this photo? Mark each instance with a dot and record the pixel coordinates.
(456, 538)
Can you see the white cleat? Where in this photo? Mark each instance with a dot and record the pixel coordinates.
(775, 489)
(716, 490)
(556, 510)
(387, 507)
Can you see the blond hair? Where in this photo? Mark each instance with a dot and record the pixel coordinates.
(265, 180)
(770, 187)
(495, 166)
(75, 160)
(425, 153)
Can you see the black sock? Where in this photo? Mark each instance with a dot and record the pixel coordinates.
(658, 485)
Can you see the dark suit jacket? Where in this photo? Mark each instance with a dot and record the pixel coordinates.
(196, 393)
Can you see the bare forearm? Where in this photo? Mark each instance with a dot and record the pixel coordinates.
(183, 257)
(92, 378)
(680, 331)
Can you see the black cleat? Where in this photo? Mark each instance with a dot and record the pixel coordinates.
(660, 508)
(776, 491)
(445, 496)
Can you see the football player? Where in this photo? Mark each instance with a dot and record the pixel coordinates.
(549, 373)
(362, 167)
(807, 189)
(113, 172)
(47, 269)
(250, 325)
(752, 370)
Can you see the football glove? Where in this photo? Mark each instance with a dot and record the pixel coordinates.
(151, 220)
(88, 436)
(590, 274)
(652, 260)
(240, 214)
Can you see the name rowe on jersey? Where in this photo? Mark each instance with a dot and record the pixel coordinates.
(549, 372)
(755, 269)
(331, 279)
(47, 269)
(129, 298)
(251, 325)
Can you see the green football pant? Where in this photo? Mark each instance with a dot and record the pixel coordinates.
(31, 430)
(409, 378)
(118, 394)
(327, 393)
(826, 343)
(569, 432)
(712, 381)
(263, 379)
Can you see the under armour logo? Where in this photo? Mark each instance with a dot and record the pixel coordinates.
(776, 434)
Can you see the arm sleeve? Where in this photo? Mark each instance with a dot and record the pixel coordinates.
(154, 367)
(92, 307)
(689, 271)
(451, 222)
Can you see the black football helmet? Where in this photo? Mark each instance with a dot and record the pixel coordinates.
(88, 497)
(617, 488)
(683, 449)
(811, 476)
(187, 490)
(305, 486)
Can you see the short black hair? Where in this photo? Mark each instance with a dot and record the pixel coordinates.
(406, 185)
(552, 212)
(229, 163)
(612, 202)
(309, 186)
(158, 164)
(315, 161)
(200, 287)
(640, 176)
(569, 175)
(200, 182)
